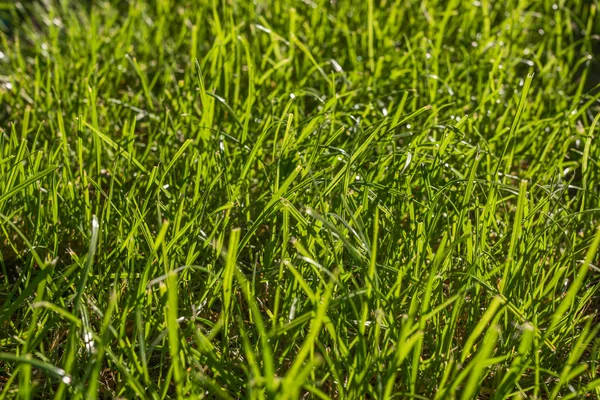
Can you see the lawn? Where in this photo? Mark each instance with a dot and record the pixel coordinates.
(299, 199)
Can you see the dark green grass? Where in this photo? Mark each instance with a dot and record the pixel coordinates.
(331, 199)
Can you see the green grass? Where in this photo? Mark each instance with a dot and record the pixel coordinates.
(284, 199)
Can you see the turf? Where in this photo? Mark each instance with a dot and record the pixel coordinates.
(286, 199)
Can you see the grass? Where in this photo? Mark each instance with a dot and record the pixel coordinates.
(328, 199)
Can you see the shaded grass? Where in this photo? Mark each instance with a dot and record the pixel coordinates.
(329, 199)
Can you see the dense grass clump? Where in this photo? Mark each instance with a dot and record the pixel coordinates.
(283, 199)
